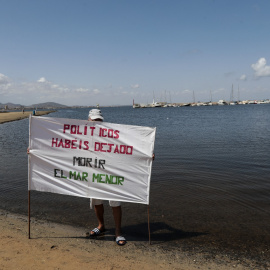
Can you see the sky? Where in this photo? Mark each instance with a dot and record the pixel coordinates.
(109, 52)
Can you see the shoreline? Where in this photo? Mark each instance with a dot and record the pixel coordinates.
(54, 245)
(15, 116)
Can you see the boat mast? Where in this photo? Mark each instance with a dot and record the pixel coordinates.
(232, 98)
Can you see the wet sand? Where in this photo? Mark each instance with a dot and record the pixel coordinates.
(14, 116)
(56, 246)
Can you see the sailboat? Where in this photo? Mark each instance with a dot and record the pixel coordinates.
(193, 104)
(155, 104)
(232, 102)
(210, 103)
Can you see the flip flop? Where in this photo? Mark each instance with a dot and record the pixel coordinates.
(120, 238)
(96, 232)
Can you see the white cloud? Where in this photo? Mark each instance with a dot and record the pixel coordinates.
(243, 77)
(96, 91)
(134, 86)
(86, 90)
(5, 89)
(5, 85)
(42, 80)
(3, 79)
(260, 68)
(63, 89)
(41, 90)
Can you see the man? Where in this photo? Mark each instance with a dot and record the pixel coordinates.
(95, 115)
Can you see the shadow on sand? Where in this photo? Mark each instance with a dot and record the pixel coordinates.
(160, 233)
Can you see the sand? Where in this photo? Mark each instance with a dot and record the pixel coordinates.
(56, 246)
(14, 116)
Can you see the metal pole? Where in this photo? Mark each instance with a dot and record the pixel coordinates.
(29, 183)
(29, 220)
(149, 227)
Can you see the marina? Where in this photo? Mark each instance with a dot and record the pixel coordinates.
(220, 102)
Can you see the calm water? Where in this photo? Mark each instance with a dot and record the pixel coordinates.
(210, 182)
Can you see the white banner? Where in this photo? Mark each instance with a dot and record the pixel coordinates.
(91, 159)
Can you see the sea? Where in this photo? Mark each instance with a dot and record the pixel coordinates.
(210, 184)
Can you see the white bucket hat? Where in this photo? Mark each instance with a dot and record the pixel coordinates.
(95, 114)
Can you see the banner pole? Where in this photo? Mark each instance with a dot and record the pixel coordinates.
(29, 219)
(29, 183)
(149, 226)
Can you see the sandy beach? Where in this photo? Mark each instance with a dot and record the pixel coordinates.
(56, 246)
(14, 116)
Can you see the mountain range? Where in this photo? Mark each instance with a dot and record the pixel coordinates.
(38, 106)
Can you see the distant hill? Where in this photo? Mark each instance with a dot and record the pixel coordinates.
(48, 105)
(45, 105)
(10, 105)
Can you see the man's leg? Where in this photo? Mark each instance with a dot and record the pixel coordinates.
(99, 210)
(117, 214)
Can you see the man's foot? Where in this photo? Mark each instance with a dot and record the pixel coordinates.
(97, 231)
(120, 240)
